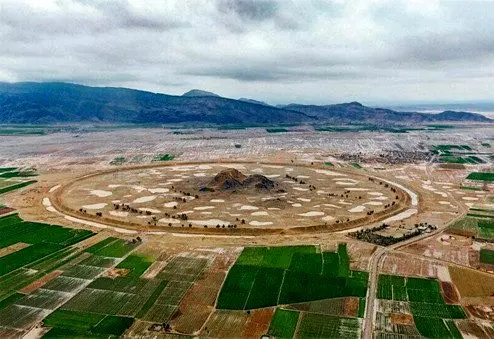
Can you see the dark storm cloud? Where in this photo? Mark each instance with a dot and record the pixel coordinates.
(361, 48)
(255, 10)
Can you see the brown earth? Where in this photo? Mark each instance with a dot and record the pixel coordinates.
(40, 282)
(481, 311)
(449, 292)
(472, 283)
(350, 307)
(401, 319)
(474, 329)
(12, 248)
(258, 323)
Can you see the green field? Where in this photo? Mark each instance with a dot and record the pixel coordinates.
(356, 165)
(80, 324)
(426, 303)
(314, 325)
(268, 276)
(479, 227)
(16, 186)
(137, 264)
(481, 176)
(112, 247)
(283, 323)
(436, 328)
(164, 157)
(486, 256)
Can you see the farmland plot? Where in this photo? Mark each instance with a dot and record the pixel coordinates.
(325, 326)
(271, 282)
(283, 323)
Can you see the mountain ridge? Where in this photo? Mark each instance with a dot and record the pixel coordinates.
(58, 102)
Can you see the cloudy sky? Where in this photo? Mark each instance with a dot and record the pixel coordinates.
(280, 51)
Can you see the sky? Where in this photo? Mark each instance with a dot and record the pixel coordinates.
(278, 51)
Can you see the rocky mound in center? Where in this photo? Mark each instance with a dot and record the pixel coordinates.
(231, 178)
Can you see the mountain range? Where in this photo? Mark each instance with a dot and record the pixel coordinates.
(56, 102)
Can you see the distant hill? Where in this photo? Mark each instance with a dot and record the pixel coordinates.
(252, 101)
(356, 112)
(55, 102)
(199, 93)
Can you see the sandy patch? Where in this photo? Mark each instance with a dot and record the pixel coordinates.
(331, 205)
(329, 173)
(297, 205)
(207, 213)
(170, 204)
(380, 198)
(357, 209)
(200, 174)
(169, 221)
(303, 199)
(272, 176)
(54, 188)
(328, 218)
(375, 193)
(275, 208)
(260, 223)
(259, 213)
(119, 214)
(139, 189)
(303, 177)
(100, 193)
(400, 216)
(312, 214)
(95, 206)
(356, 189)
(144, 199)
(470, 198)
(217, 200)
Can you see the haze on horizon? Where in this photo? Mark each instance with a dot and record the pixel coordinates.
(278, 51)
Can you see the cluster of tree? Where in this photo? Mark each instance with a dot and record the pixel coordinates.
(370, 235)
(295, 179)
(128, 208)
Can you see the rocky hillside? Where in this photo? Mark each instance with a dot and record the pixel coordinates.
(52, 103)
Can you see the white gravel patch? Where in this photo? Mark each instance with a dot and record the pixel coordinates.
(200, 174)
(100, 193)
(248, 208)
(328, 218)
(144, 199)
(373, 203)
(300, 189)
(345, 183)
(272, 176)
(312, 214)
(303, 177)
(259, 213)
(202, 208)
(470, 198)
(209, 222)
(170, 204)
(139, 189)
(95, 206)
(329, 173)
(296, 205)
(217, 200)
(114, 186)
(375, 193)
(158, 190)
(303, 199)
(357, 209)
(169, 220)
(207, 213)
(380, 198)
(152, 210)
(260, 223)
(176, 180)
(356, 189)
